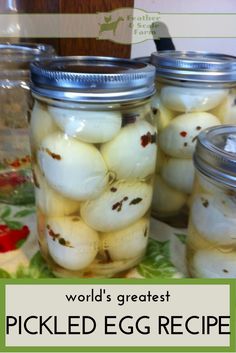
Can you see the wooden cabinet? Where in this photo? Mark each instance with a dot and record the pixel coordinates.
(77, 46)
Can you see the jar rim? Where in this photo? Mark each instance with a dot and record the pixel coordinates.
(195, 66)
(212, 159)
(92, 79)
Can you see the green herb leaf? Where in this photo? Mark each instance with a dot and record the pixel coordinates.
(181, 237)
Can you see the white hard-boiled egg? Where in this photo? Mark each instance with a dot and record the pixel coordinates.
(73, 168)
(179, 174)
(214, 264)
(132, 153)
(127, 243)
(122, 204)
(71, 243)
(191, 99)
(41, 124)
(88, 126)
(226, 111)
(179, 138)
(50, 201)
(214, 218)
(165, 198)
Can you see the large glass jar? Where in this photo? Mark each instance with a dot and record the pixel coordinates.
(211, 246)
(194, 91)
(15, 100)
(93, 142)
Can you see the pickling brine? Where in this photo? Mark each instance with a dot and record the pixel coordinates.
(93, 167)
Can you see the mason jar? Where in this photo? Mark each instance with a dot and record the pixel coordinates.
(194, 91)
(15, 172)
(93, 142)
(211, 246)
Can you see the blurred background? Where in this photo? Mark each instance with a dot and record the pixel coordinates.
(92, 46)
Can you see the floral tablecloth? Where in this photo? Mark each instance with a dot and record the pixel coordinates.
(20, 256)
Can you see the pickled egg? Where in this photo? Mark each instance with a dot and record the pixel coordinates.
(127, 243)
(71, 243)
(165, 198)
(49, 201)
(190, 99)
(214, 264)
(214, 218)
(164, 115)
(179, 174)
(87, 126)
(132, 153)
(178, 139)
(41, 124)
(122, 204)
(73, 168)
(226, 111)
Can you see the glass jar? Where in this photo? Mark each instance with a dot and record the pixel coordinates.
(15, 171)
(194, 91)
(211, 246)
(93, 142)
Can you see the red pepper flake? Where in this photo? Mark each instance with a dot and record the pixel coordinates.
(113, 189)
(53, 155)
(183, 133)
(148, 138)
(117, 206)
(15, 164)
(58, 237)
(129, 119)
(135, 201)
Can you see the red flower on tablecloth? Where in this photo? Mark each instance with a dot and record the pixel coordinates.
(10, 238)
(12, 179)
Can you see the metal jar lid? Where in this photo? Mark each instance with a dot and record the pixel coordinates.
(215, 154)
(92, 79)
(195, 66)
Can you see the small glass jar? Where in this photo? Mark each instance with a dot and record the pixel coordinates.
(211, 246)
(15, 99)
(93, 142)
(194, 91)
